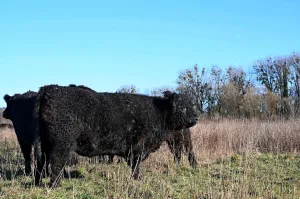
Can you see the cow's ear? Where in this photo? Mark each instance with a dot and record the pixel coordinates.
(6, 98)
(167, 94)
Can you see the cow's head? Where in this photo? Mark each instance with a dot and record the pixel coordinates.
(19, 106)
(8, 112)
(182, 113)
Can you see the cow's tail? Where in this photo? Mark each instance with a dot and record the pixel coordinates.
(39, 128)
(38, 111)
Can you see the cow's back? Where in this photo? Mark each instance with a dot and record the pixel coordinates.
(140, 108)
(67, 105)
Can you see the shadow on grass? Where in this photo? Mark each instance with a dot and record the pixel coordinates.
(10, 174)
(73, 174)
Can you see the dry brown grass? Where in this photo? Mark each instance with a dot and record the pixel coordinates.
(224, 137)
(213, 139)
(7, 133)
(249, 172)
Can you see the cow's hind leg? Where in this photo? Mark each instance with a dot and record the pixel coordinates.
(58, 159)
(110, 159)
(134, 162)
(26, 150)
(42, 163)
(135, 168)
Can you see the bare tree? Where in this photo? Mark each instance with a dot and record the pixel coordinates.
(193, 82)
(235, 93)
(275, 75)
(217, 82)
(128, 89)
(295, 81)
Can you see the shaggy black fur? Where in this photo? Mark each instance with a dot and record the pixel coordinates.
(91, 124)
(20, 110)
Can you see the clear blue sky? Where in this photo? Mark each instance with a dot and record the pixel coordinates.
(107, 44)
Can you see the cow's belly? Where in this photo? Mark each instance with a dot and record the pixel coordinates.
(86, 146)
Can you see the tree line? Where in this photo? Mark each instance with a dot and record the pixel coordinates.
(270, 91)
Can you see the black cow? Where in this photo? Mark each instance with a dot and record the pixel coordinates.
(91, 124)
(19, 110)
(178, 141)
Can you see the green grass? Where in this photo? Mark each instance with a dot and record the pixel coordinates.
(238, 176)
(229, 167)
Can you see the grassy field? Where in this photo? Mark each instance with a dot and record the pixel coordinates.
(237, 159)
